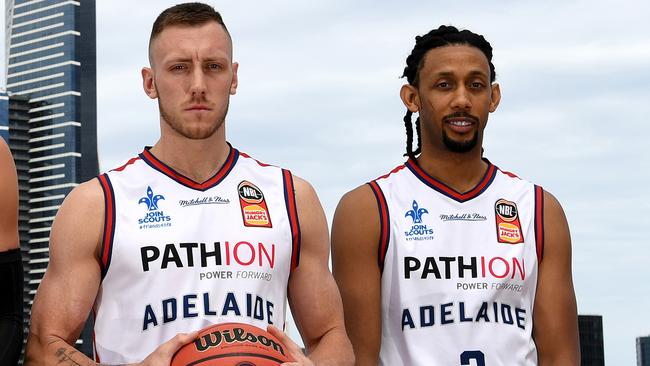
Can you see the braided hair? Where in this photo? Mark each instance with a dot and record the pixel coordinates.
(443, 36)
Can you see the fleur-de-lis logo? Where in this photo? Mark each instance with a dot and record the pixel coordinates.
(416, 213)
(151, 201)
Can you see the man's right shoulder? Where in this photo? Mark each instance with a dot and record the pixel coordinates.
(78, 224)
(358, 211)
(89, 192)
(358, 199)
(85, 202)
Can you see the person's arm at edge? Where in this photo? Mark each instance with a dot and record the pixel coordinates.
(69, 287)
(555, 320)
(313, 296)
(11, 269)
(355, 240)
(8, 200)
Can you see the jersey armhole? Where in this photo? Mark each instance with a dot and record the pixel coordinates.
(384, 227)
(109, 223)
(292, 214)
(539, 222)
(95, 353)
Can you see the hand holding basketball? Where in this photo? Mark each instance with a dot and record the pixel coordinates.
(292, 348)
(236, 344)
(164, 353)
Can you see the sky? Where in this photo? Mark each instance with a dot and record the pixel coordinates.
(319, 94)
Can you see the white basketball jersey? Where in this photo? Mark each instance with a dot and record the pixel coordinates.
(178, 255)
(459, 270)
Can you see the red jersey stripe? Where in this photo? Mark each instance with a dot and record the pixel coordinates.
(109, 223)
(395, 170)
(384, 224)
(482, 185)
(292, 211)
(131, 161)
(539, 222)
(227, 166)
(243, 154)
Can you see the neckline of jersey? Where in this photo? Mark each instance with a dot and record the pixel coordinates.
(446, 190)
(155, 163)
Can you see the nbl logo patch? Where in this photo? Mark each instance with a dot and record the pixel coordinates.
(507, 221)
(254, 211)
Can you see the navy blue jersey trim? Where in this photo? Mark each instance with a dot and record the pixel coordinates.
(384, 224)
(444, 189)
(539, 222)
(218, 177)
(292, 214)
(108, 234)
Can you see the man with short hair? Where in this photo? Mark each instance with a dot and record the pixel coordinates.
(190, 232)
(11, 265)
(448, 260)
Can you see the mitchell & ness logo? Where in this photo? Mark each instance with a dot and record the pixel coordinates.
(417, 231)
(154, 217)
(463, 217)
(209, 200)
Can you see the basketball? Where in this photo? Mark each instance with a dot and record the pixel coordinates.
(232, 344)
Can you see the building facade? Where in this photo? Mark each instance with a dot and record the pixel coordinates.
(592, 352)
(643, 351)
(51, 119)
(4, 116)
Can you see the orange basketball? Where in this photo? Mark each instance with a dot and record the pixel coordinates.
(232, 344)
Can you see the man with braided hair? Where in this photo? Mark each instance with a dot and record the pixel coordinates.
(447, 259)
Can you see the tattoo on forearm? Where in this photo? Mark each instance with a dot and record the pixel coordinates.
(65, 357)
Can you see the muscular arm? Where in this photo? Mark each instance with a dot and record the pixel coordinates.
(11, 269)
(355, 238)
(313, 296)
(8, 200)
(68, 289)
(69, 286)
(555, 315)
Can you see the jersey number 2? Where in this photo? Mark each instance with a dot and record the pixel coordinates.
(466, 356)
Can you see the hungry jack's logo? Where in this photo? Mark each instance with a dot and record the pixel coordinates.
(507, 221)
(254, 211)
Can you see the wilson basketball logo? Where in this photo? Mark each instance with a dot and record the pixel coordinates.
(253, 205)
(234, 335)
(233, 344)
(507, 221)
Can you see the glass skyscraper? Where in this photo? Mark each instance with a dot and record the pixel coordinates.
(51, 117)
(643, 351)
(592, 352)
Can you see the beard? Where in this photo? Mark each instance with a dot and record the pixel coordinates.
(460, 146)
(199, 132)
